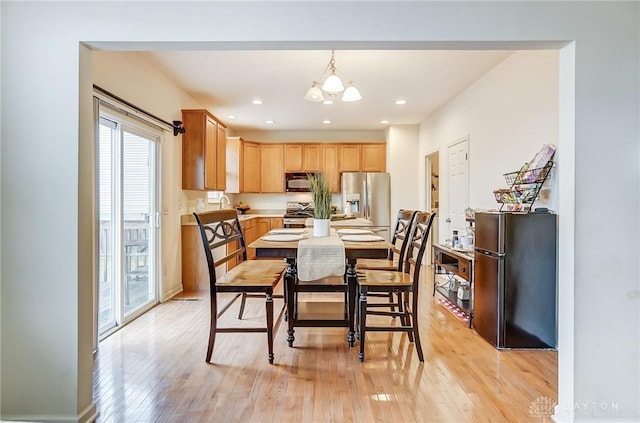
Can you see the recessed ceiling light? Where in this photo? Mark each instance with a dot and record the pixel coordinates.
(257, 101)
(231, 117)
(269, 122)
(384, 122)
(327, 102)
(401, 102)
(326, 121)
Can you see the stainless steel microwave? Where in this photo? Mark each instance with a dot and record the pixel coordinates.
(297, 181)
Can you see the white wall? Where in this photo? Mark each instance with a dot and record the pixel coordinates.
(508, 114)
(402, 164)
(45, 346)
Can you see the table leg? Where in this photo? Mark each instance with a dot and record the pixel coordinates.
(290, 286)
(352, 282)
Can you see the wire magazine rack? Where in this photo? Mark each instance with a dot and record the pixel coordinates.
(524, 187)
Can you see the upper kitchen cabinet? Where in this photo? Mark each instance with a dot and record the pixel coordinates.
(243, 165)
(350, 157)
(203, 151)
(374, 157)
(271, 168)
(363, 157)
(331, 153)
(302, 157)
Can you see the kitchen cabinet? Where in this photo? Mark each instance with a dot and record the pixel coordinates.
(250, 232)
(303, 157)
(374, 157)
(203, 151)
(349, 160)
(331, 154)
(250, 167)
(195, 273)
(243, 166)
(276, 222)
(363, 157)
(271, 168)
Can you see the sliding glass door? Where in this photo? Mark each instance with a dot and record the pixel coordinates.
(129, 221)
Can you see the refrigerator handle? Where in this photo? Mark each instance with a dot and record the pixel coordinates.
(365, 203)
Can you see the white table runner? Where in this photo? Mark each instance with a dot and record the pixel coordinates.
(319, 257)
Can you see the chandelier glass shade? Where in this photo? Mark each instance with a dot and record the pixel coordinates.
(332, 85)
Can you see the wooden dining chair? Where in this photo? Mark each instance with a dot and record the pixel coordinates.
(395, 259)
(404, 283)
(222, 237)
(399, 240)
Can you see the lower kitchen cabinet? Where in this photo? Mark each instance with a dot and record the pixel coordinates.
(195, 273)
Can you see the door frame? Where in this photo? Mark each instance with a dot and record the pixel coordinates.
(435, 230)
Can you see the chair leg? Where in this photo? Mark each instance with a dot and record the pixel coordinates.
(269, 306)
(242, 302)
(213, 325)
(406, 320)
(392, 308)
(363, 321)
(416, 332)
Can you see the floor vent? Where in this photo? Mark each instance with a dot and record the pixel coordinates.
(185, 299)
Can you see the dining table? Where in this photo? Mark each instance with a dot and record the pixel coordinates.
(287, 248)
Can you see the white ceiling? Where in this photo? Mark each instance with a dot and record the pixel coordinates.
(226, 82)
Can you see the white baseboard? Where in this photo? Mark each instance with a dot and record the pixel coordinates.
(89, 414)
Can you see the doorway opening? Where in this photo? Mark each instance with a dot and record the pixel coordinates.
(432, 195)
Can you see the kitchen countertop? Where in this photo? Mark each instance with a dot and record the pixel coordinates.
(188, 219)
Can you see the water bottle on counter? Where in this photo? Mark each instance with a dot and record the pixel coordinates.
(455, 241)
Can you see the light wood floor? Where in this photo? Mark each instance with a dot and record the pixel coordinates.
(154, 370)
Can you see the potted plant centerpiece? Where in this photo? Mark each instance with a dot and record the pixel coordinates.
(321, 196)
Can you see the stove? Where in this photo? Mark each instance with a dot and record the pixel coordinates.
(297, 213)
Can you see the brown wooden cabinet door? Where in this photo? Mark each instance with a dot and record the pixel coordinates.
(331, 168)
(374, 157)
(276, 223)
(203, 151)
(250, 235)
(264, 225)
(271, 168)
(210, 154)
(312, 158)
(302, 157)
(250, 167)
(293, 158)
(221, 159)
(193, 149)
(350, 158)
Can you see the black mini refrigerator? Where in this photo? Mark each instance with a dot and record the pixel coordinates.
(514, 297)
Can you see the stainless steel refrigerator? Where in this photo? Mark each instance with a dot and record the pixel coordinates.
(368, 195)
(514, 294)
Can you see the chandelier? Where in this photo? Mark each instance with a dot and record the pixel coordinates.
(332, 85)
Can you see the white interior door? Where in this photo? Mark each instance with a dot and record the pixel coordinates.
(458, 192)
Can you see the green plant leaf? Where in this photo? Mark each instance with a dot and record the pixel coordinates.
(321, 196)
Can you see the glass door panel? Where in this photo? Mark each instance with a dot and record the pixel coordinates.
(137, 212)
